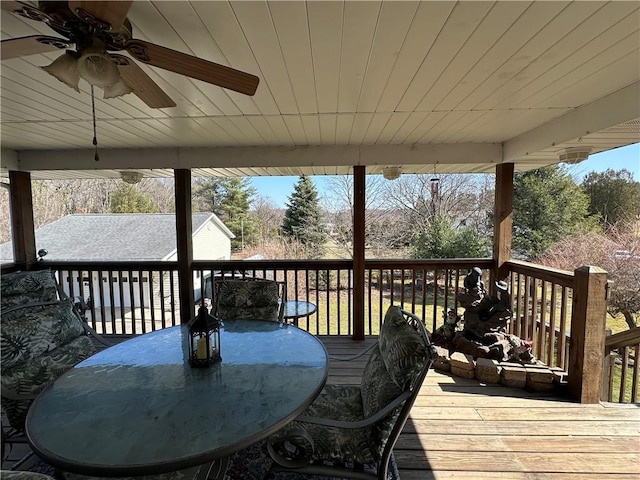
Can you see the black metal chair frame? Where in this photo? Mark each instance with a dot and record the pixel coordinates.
(406, 399)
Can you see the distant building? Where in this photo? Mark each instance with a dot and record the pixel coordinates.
(125, 237)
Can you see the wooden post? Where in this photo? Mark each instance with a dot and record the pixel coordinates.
(588, 322)
(22, 226)
(184, 240)
(502, 220)
(358, 251)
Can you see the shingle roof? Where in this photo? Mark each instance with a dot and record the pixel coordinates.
(109, 237)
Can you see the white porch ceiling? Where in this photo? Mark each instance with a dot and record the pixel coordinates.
(464, 85)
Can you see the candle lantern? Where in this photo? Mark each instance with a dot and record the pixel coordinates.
(204, 339)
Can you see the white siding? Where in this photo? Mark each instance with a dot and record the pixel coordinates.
(211, 243)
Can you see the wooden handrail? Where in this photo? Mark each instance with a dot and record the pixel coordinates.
(547, 274)
(627, 338)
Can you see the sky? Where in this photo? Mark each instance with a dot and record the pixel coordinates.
(279, 189)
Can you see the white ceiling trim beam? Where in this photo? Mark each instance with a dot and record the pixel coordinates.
(259, 157)
(8, 159)
(608, 111)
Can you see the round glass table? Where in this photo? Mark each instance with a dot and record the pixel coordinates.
(295, 309)
(138, 408)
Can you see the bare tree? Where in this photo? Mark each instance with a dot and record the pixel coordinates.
(267, 218)
(338, 201)
(162, 191)
(618, 252)
(464, 199)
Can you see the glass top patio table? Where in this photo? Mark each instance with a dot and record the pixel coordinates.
(138, 408)
(294, 309)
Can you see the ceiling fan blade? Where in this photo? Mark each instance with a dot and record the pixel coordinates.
(112, 13)
(194, 67)
(23, 46)
(142, 85)
(11, 6)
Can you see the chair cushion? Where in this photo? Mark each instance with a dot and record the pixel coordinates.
(392, 367)
(403, 351)
(378, 390)
(32, 377)
(30, 331)
(343, 403)
(19, 288)
(248, 299)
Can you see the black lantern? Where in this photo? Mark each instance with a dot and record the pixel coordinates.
(204, 339)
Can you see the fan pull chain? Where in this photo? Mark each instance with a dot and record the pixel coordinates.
(95, 138)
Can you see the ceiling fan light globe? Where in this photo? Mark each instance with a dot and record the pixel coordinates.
(131, 176)
(391, 172)
(65, 69)
(98, 69)
(117, 89)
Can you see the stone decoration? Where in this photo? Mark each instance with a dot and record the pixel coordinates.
(485, 320)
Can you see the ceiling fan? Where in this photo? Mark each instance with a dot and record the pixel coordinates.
(99, 28)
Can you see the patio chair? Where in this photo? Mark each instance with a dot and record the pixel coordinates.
(349, 431)
(42, 336)
(249, 298)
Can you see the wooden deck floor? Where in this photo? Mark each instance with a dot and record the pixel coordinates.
(463, 429)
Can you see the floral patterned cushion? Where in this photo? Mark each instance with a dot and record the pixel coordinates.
(41, 337)
(32, 377)
(248, 299)
(392, 368)
(337, 402)
(20, 288)
(30, 331)
(378, 390)
(403, 351)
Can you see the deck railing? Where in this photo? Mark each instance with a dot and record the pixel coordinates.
(542, 303)
(130, 298)
(622, 370)
(425, 287)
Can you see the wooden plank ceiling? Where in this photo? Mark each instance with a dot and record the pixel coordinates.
(459, 85)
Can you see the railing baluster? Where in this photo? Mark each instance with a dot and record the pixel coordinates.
(553, 336)
(161, 275)
(172, 283)
(563, 344)
(543, 323)
(143, 321)
(636, 374)
(623, 375)
(434, 319)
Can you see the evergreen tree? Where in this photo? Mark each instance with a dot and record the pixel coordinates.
(547, 206)
(230, 199)
(128, 199)
(302, 219)
(443, 240)
(613, 196)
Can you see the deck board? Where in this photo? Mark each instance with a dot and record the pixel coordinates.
(463, 429)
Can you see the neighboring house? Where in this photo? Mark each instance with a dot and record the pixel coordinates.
(126, 237)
